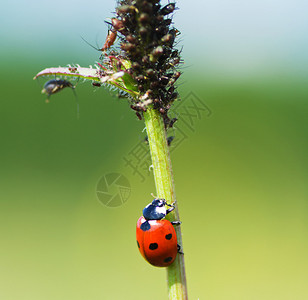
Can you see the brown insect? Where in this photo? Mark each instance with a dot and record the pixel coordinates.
(111, 37)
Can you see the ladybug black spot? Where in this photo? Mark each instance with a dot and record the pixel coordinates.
(153, 246)
(168, 259)
(168, 236)
(145, 226)
(138, 244)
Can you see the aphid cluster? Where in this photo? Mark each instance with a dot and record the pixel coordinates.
(147, 40)
(144, 64)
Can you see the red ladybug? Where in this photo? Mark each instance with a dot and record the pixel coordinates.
(156, 238)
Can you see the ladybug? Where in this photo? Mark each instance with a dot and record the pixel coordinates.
(156, 236)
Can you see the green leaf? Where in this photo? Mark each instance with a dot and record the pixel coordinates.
(120, 80)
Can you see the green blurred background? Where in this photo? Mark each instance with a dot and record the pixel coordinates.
(241, 175)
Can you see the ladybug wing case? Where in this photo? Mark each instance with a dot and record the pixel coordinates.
(157, 241)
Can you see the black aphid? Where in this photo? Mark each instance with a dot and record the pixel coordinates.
(55, 85)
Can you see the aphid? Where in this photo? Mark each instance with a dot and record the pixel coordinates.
(158, 51)
(153, 44)
(176, 75)
(117, 24)
(72, 69)
(145, 59)
(174, 61)
(162, 110)
(144, 18)
(154, 84)
(147, 7)
(128, 47)
(169, 140)
(164, 80)
(56, 85)
(161, 30)
(173, 96)
(139, 115)
(124, 9)
(168, 39)
(160, 18)
(97, 84)
(167, 22)
(119, 65)
(149, 93)
(143, 32)
(150, 72)
(141, 88)
(131, 39)
(168, 9)
(140, 78)
(136, 66)
(171, 122)
(136, 108)
(156, 237)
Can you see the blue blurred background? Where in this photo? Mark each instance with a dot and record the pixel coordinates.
(241, 172)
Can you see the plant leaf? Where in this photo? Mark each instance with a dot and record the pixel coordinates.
(121, 80)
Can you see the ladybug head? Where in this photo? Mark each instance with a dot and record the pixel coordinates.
(159, 202)
(156, 210)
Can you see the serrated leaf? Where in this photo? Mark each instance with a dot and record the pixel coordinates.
(119, 80)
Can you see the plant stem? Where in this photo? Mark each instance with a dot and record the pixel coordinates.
(165, 189)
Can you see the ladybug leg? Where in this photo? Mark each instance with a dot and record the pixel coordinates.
(179, 249)
(172, 207)
(169, 210)
(176, 222)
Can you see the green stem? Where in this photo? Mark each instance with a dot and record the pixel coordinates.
(165, 189)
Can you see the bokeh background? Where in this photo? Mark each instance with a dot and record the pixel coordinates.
(241, 175)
